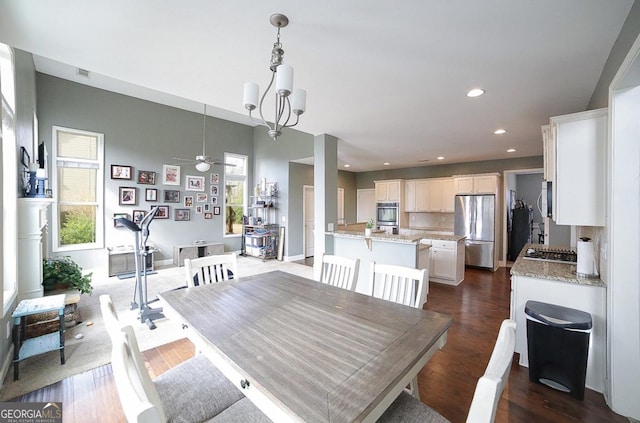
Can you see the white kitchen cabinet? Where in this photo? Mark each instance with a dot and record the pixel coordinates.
(480, 184)
(389, 191)
(580, 158)
(441, 195)
(416, 195)
(591, 299)
(446, 264)
(549, 152)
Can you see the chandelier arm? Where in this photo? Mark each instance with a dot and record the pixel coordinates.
(273, 77)
(258, 121)
(288, 105)
(297, 120)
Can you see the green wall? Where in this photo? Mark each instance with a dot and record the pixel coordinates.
(144, 135)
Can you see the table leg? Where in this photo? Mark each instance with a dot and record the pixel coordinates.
(61, 318)
(16, 349)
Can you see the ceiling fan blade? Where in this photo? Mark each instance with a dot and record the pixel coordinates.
(220, 162)
(185, 160)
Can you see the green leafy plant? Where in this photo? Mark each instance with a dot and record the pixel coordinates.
(64, 273)
(370, 224)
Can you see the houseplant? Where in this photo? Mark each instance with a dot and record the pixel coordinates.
(64, 273)
(368, 227)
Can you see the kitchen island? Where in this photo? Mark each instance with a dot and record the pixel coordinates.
(558, 283)
(401, 250)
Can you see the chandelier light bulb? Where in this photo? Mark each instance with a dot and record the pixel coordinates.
(299, 101)
(250, 97)
(284, 80)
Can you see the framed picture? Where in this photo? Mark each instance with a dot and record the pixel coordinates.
(214, 178)
(198, 209)
(202, 198)
(171, 196)
(213, 190)
(188, 200)
(194, 183)
(120, 172)
(170, 175)
(163, 212)
(151, 194)
(138, 215)
(208, 215)
(206, 207)
(117, 215)
(182, 215)
(146, 177)
(216, 210)
(214, 200)
(127, 196)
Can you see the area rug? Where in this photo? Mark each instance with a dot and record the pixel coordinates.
(94, 347)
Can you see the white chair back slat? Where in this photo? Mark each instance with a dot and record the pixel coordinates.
(339, 271)
(211, 269)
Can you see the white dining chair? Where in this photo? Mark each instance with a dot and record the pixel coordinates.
(339, 271)
(211, 269)
(193, 391)
(408, 409)
(402, 285)
(170, 396)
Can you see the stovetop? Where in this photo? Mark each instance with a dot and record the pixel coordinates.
(551, 254)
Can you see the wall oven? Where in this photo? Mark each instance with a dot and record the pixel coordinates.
(387, 214)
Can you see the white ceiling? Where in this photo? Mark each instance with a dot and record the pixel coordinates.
(388, 79)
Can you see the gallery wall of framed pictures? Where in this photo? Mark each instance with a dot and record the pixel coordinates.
(199, 196)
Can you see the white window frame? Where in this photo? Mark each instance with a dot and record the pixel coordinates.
(8, 195)
(99, 243)
(233, 177)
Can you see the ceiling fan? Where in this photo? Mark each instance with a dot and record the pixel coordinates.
(203, 162)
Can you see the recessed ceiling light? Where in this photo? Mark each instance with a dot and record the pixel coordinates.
(511, 150)
(347, 165)
(476, 92)
(386, 163)
(440, 158)
(500, 131)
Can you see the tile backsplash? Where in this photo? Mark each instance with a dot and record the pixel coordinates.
(431, 220)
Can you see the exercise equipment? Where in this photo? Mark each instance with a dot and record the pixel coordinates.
(141, 234)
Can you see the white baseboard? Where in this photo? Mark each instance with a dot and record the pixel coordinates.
(6, 364)
(294, 258)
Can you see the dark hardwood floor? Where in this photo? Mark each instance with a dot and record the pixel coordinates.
(447, 382)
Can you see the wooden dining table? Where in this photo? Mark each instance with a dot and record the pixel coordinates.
(305, 351)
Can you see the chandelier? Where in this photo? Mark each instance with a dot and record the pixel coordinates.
(283, 76)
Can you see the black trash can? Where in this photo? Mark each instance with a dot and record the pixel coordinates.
(558, 344)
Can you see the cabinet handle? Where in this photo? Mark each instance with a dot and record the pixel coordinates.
(185, 326)
(244, 383)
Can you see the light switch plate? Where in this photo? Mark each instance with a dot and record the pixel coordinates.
(330, 227)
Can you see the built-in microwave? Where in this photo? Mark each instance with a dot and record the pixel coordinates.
(387, 214)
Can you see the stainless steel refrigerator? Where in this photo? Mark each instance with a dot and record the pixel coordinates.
(475, 219)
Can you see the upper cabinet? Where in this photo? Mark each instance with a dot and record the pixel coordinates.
(416, 194)
(578, 142)
(549, 151)
(389, 191)
(441, 195)
(480, 184)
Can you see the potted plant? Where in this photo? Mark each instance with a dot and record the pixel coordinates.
(64, 273)
(368, 227)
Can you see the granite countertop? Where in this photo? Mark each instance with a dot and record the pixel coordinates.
(564, 272)
(382, 236)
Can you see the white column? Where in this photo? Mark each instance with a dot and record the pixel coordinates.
(32, 222)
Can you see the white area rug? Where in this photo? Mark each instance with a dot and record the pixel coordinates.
(94, 349)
